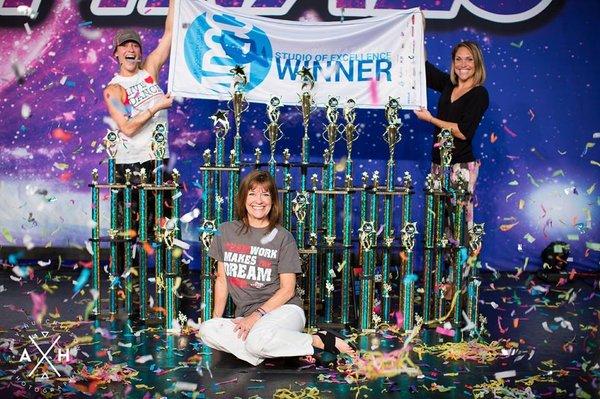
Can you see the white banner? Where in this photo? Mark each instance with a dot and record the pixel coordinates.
(368, 60)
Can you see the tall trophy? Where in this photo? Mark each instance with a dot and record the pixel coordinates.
(307, 104)
(273, 132)
(238, 105)
(392, 132)
(331, 133)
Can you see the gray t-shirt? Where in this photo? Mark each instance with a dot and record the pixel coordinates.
(253, 262)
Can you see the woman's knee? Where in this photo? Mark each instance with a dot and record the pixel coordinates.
(209, 329)
(256, 342)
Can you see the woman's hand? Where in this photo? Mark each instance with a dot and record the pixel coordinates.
(423, 114)
(243, 325)
(164, 102)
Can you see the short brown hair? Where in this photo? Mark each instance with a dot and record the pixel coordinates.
(252, 179)
(479, 75)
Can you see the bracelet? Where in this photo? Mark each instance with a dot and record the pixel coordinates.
(150, 111)
(261, 311)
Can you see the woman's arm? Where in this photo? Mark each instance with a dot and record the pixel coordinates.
(436, 79)
(113, 98)
(425, 115)
(220, 291)
(286, 291)
(159, 56)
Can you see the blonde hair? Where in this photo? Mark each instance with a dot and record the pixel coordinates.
(479, 75)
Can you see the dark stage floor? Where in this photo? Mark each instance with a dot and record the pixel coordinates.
(547, 334)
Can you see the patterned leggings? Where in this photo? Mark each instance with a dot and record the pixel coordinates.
(469, 172)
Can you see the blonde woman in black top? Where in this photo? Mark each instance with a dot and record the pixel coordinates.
(461, 106)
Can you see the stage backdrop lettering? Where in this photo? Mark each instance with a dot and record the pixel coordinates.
(368, 60)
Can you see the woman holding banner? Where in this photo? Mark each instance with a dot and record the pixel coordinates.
(257, 263)
(461, 106)
(138, 105)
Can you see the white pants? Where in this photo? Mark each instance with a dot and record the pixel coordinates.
(276, 334)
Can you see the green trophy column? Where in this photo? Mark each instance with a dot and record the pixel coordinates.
(143, 241)
(205, 239)
(350, 135)
(313, 242)
(442, 205)
(175, 200)
(408, 242)
(127, 236)
(169, 235)
(331, 135)
(428, 250)
(459, 259)
(287, 188)
(475, 241)
(159, 143)
(113, 235)
(392, 137)
(96, 244)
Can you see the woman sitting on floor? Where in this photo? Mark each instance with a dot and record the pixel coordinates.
(257, 265)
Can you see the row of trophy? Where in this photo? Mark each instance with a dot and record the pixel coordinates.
(124, 234)
(328, 259)
(311, 212)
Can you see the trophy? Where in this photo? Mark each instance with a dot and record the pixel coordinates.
(221, 127)
(299, 205)
(159, 141)
(476, 232)
(350, 132)
(110, 143)
(446, 146)
(307, 102)
(238, 104)
(408, 235)
(220, 123)
(365, 235)
(208, 229)
(392, 134)
(273, 132)
(331, 129)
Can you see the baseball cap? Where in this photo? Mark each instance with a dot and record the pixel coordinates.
(126, 35)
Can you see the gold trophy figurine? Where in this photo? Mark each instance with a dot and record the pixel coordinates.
(332, 128)
(350, 131)
(238, 104)
(273, 132)
(306, 99)
(392, 132)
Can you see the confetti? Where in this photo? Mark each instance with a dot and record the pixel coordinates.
(81, 280)
(61, 134)
(25, 111)
(517, 45)
(143, 359)
(510, 132)
(373, 92)
(530, 239)
(505, 374)
(188, 217)
(507, 227)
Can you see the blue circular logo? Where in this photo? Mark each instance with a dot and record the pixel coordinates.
(216, 43)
